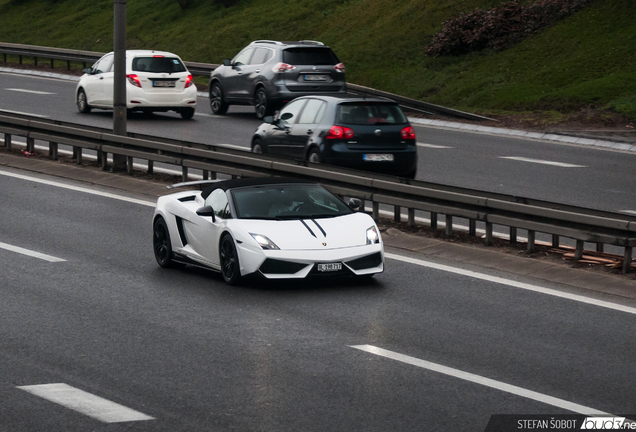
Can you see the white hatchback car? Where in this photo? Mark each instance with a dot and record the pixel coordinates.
(155, 81)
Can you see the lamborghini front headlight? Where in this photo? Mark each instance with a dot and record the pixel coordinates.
(264, 242)
(372, 236)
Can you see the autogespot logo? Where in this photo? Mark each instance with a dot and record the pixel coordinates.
(607, 423)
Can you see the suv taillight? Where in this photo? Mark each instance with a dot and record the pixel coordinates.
(134, 80)
(340, 132)
(188, 81)
(283, 67)
(408, 133)
(339, 67)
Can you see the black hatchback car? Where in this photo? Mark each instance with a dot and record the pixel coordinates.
(371, 134)
(268, 74)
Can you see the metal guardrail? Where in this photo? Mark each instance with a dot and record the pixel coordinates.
(204, 69)
(583, 225)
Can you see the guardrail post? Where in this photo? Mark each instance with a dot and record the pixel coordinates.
(488, 239)
(397, 214)
(531, 237)
(53, 150)
(472, 227)
(449, 225)
(7, 141)
(375, 211)
(30, 144)
(600, 247)
(578, 252)
(184, 174)
(205, 174)
(411, 221)
(151, 166)
(35, 59)
(129, 164)
(433, 220)
(19, 59)
(52, 64)
(513, 235)
(104, 161)
(555, 241)
(68, 65)
(627, 259)
(78, 155)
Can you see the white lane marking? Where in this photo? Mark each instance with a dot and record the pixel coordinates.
(20, 112)
(433, 146)
(512, 283)
(30, 91)
(544, 162)
(30, 253)
(85, 403)
(477, 379)
(79, 189)
(631, 212)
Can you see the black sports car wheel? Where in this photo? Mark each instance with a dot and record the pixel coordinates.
(161, 244)
(217, 104)
(230, 269)
(82, 103)
(261, 104)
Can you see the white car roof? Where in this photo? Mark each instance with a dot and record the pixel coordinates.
(144, 53)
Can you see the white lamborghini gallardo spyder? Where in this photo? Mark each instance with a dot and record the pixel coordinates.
(273, 227)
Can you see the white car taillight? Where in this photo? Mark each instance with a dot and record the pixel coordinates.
(283, 67)
(188, 81)
(134, 80)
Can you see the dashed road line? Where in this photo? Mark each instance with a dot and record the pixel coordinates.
(477, 379)
(544, 162)
(86, 403)
(31, 91)
(30, 253)
(433, 146)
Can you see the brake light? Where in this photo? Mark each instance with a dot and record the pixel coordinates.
(339, 67)
(158, 56)
(340, 132)
(408, 133)
(188, 81)
(134, 80)
(283, 67)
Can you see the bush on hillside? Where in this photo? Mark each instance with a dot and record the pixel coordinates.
(500, 27)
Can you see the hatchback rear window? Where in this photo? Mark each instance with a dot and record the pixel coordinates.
(158, 64)
(370, 113)
(310, 56)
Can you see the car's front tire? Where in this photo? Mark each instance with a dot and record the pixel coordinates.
(230, 268)
(161, 244)
(82, 102)
(187, 113)
(217, 104)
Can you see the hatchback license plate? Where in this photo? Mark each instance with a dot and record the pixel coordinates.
(378, 157)
(315, 77)
(329, 267)
(163, 83)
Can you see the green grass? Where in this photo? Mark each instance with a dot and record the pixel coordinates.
(586, 60)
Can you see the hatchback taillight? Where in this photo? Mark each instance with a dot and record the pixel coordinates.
(340, 132)
(188, 81)
(283, 67)
(339, 67)
(408, 133)
(134, 80)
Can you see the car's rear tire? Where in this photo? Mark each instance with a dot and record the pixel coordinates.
(262, 104)
(257, 146)
(230, 268)
(217, 104)
(187, 113)
(314, 156)
(82, 102)
(161, 244)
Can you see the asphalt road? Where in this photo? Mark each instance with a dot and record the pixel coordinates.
(569, 174)
(185, 352)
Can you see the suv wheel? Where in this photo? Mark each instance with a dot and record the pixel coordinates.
(262, 105)
(218, 105)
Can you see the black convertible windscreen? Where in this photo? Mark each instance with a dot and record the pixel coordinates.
(287, 202)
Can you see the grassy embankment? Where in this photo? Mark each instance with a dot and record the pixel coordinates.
(583, 68)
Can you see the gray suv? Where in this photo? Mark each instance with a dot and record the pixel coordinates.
(268, 74)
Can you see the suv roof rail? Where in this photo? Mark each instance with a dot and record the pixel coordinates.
(311, 42)
(268, 41)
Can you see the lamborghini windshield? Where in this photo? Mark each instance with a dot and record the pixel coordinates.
(292, 201)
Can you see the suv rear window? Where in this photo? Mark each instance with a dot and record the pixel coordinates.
(370, 113)
(310, 56)
(158, 64)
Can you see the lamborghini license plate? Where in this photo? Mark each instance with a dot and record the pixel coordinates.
(329, 267)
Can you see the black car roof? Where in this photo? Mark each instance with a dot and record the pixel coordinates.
(250, 181)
